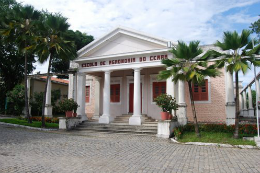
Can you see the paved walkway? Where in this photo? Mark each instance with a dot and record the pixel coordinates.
(23, 150)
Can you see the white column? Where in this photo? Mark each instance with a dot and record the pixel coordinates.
(245, 111)
(257, 87)
(250, 103)
(70, 88)
(48, 107)
(241, 103)
(81, 85)
(170, 85)
(182, 112)
(106, 117)
(74, 94)
(230, 99)
(137, 119)
(229, 88)
(97, 98)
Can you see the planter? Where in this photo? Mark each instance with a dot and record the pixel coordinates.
(69, 113)
(74, 114)
(164, 115)
(170, 116)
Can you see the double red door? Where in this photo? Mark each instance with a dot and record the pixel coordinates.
(131, 97)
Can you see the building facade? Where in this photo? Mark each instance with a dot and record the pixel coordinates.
(117, 75)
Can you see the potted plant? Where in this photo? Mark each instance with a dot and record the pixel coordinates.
(163, 102)
(67, 106)
(75, 107)
(172, 106)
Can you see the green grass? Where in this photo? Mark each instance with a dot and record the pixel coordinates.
(213, 137)
(24, 122)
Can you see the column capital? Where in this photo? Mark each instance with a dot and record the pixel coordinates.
(107, 71)
(81, 74)
(136, 69)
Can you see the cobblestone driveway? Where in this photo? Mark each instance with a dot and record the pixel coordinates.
(24, 150)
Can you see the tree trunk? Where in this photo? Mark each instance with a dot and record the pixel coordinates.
(237, 108)
(45, 91)
(194, 111)
(26, 91)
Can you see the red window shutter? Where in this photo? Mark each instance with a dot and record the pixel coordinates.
(200, 93)
(158, 89)
(87, 94)
(204, 91)
(115, 93)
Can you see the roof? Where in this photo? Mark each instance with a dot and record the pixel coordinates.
(53, 79)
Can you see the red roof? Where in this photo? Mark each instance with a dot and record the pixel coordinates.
(57, 80)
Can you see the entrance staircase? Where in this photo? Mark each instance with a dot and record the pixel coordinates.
(121, 125)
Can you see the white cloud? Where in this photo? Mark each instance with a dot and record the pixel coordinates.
(171, 19)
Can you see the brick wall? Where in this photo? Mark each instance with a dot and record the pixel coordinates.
(214, 111)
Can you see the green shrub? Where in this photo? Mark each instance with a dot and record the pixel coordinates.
(68, 105)
(245, 129)
(16, 100)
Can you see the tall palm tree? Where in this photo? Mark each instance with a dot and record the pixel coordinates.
(53, 43)
(20, 27)
(187, 66)
(238, 56)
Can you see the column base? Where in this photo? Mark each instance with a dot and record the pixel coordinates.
(257, 141)
(95, 117)
(136, 120)
(182, 114)
(105, 119)
(48, 111)
(83, 117)
(251, 112)
(230, 113)
(245, 113)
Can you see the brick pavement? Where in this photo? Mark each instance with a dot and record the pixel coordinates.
(23, 150)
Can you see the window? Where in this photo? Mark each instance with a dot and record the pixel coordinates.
(158, 89)
(115, 93)
(87, 94)
(200, 93)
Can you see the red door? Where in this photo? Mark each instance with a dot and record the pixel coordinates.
(131, 97)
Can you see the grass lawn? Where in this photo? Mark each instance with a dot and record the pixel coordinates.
(213, 137)
(24, 122)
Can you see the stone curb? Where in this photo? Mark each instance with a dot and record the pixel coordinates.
(27, 127)
(217, 145)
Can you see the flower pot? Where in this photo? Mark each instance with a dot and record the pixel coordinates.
(69, 113)
(74, 114)
(170, 116)
(164, 115)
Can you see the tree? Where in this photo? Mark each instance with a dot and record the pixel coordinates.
(186, 66)
(51, 42)
(238, 56)
(20, 28)
(81, 40)
(256, 27)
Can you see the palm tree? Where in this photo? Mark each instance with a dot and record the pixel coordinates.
(21, 29)
(238, 56)
(52, 43)
(187, 66)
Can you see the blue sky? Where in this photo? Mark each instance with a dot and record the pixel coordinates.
(186, 20)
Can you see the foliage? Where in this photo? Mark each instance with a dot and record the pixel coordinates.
(245, 129)
(189, 67)
(25, 123)
(214, 137)
(256, 27)
(68, 105)
(81, 40)
(177, 132)
(166, 103)
(238, 55)
(36, 101)
(16, 100)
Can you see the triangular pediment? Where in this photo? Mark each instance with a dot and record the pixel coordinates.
(121, 41)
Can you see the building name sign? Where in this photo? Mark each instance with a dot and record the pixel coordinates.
(125, 60)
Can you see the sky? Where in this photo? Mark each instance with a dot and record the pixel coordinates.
(187, 20)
